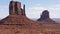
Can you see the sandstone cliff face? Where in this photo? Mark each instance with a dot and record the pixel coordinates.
(17, 23)
(15, 8)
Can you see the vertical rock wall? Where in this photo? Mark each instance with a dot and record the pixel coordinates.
(11, 8)
(15, 8)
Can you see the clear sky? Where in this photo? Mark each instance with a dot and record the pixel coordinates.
(34, 8)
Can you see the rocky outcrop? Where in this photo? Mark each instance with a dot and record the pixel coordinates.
(17, 23)
(23, 12)
(45, 18)
(44, 15)
(11, 8)
(16, 14)
(15, 8)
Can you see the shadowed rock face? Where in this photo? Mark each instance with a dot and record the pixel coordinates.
(45, 18)
(45, 14)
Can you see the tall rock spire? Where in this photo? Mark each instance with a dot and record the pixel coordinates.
(24, 10)
(11, 8)
(18, 8)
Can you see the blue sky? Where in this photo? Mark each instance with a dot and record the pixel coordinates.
(34, 8)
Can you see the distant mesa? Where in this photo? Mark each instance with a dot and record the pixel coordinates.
(45, 15)
(45, 18)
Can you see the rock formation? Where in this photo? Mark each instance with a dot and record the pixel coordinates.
(15, 8)
(45, 18)
(45, 15)
(23, 12)
(17, 23)
(11, 8)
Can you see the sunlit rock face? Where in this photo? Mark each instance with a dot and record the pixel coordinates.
(15, 8)
(17, 22)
